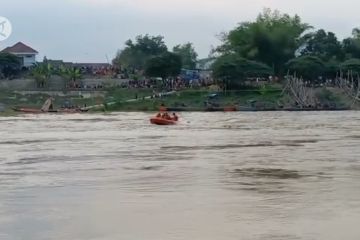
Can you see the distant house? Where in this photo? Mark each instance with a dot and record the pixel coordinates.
(26, 54)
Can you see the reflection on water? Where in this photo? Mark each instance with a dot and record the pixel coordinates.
(252, 176)
(267, 173)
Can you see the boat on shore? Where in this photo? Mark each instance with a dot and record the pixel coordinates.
(190, 109)
(48, 108)
(251, 109)
(27, 110)
(221, 109)
(39, 111)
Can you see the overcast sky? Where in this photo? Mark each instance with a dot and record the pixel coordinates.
(91, 30)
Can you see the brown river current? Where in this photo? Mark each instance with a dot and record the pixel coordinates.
(215, 176)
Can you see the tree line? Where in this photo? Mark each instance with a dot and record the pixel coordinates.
(150, 56)
(279, 44)
(273, 44)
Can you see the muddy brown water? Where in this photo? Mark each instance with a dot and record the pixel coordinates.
(215, 176)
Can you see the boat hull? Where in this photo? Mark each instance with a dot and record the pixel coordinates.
(28, 110)
(36, 111)
(162, 121)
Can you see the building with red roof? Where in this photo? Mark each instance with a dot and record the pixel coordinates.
(26, 54)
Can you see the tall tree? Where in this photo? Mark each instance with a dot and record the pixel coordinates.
(351, 65)
(188, 55)
(42, 73)
(71, 74)
(351, 45)
(9, 65)
(322, 44)
(232, 70)
(135, 54)
(164, 66)
(308, 67)
(273, 39)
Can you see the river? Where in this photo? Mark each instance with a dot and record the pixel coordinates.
(215, 176)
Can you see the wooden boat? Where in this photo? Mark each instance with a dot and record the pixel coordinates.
(162, 121)
(72, 110)
(230, 109)
(48, 108)
(38, 111)
(221, 109)
(28, 110)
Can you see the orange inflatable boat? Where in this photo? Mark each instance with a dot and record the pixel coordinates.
(162, 121)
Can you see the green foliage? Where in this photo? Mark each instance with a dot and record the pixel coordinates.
(273, 39)
(264, 90)
(165, 65)
(324, 95)
(351, 45)
(71, 74)
(324, 45)
(9, 65)
(332, 68)
(232, 70)
(42, 73)
(135, 54)
(188, 55)
(121, 94)
(308, 67)
(351, 65)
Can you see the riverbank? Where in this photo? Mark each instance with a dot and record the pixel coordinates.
(269, 98)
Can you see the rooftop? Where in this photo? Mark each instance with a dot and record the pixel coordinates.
(20, 48)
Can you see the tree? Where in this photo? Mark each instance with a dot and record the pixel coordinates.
(188, 55)
(71, 74)
(308, 67)
(351, 65)
(332, 68)
(351, 45)
(232, 70)
(324, 45)
(42, 73)
(9, 65)
(272, 39)
(135, 54)
(164, 66)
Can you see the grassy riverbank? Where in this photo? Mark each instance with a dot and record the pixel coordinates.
(197, 100)
(270, 97)
(118, 99)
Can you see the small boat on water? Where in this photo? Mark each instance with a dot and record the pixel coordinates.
(164, 119)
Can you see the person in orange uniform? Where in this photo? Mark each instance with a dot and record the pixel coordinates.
(175, 117)
(167, 116)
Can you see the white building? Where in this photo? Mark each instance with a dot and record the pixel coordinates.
(26, 54)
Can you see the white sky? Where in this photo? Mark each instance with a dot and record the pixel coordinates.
(90, 30)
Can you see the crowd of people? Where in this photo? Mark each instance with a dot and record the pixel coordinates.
(166, 84)
(132, 78)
